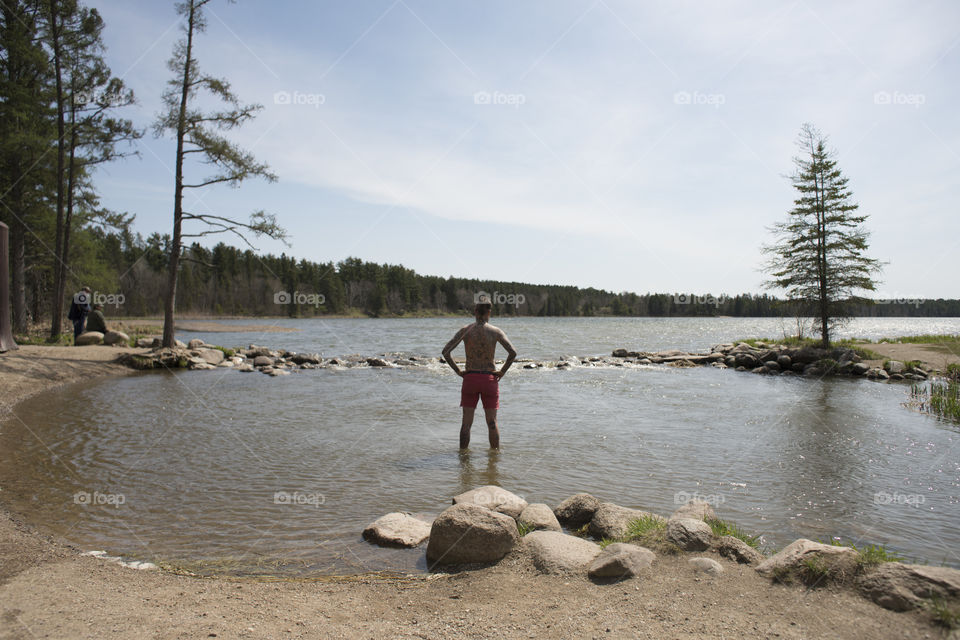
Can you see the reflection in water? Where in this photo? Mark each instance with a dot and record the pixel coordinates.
(478, 473)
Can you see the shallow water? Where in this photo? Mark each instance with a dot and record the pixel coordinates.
(244, 473)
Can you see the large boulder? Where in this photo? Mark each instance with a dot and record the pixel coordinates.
(559, 553)
(469, 533)
(894, 366)
(835, 563)
(210, 356)
(611, 520)
(620, 560)
(263, 361)
(196, 343)
(738, 550)
(88, 338)
(696, 509)
(494, 498)
(577, 510)
(305, 358)
(537, 517)
(397, 530)
(148, 342)
(901, 587)
(689, 534)
(116, 337)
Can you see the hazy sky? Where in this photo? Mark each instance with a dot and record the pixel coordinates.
(623, 145)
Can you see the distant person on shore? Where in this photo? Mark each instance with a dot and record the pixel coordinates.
(96, 321)
(79, 309)
(481, 378)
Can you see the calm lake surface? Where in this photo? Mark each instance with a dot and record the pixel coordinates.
(243, 473)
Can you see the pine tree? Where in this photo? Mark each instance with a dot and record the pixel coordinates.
(197, 132)
(819, 258)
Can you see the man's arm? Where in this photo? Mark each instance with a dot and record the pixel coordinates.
(511, 353)
(450, 346)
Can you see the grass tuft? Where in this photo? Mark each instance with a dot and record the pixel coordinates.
(524, 528)
(723, 528)
(943, 614)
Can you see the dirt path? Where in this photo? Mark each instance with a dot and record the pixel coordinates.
(930, 354)
(48, 590)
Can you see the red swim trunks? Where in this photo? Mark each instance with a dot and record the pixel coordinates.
(480, 385)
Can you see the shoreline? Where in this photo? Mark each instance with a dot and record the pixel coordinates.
(48, 588)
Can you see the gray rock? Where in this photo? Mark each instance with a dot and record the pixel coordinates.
(894, 366)
(621, 560)
(274, 372)
(558, 553)
(539, 516)
(146, 343)
(738, 550)
(748, 360)
(610, 520)
(263, 361)
(772, 365)
(577, 510)
(179, 344)
(690, 534)
(245, 367)
(901, 587)
(254, 351)
(784, 361)
(696, 509)
(706, 565)
(88, 338)
(730, 361)
(469, 533)
(397, 530)
(211, 356)
(840, 561)
(196, 343)
(200, 364)
(377, 362)
(116, 337)
(859, 368)
(306, 358)
(494, 498)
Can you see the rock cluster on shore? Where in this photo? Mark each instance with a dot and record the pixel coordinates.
(780, 359)
(487, 524)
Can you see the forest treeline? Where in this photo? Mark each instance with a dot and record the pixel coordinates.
(129, 277)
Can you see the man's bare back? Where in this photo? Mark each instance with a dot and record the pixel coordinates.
(480, 343)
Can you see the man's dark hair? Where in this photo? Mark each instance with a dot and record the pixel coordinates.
(481, 308)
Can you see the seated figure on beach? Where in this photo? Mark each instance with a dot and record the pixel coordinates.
(96, 321)
(481, 378)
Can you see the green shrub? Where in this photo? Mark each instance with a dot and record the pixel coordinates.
(723, 528)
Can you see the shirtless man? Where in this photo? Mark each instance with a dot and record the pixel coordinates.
(481, 378)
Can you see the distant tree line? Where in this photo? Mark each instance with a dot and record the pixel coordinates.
(128, 274)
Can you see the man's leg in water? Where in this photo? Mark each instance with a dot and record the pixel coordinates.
(492, 429)
(465, 426)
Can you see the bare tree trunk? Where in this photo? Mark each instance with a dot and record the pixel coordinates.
(59, 256)
(173, 265)
(18, 293)
(6, 337)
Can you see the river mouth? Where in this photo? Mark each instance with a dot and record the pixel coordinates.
(240, 474)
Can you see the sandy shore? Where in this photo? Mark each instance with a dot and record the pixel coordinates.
(48, 590)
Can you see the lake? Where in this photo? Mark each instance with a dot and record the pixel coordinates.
(227, 472)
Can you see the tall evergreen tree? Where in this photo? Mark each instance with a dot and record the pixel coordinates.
(819, 258)
(196, 132)
(87, 133)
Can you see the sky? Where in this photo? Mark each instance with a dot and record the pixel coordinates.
(622, 145)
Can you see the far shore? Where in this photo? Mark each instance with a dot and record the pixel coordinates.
(48, 589)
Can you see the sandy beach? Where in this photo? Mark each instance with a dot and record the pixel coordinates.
(49, 590)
